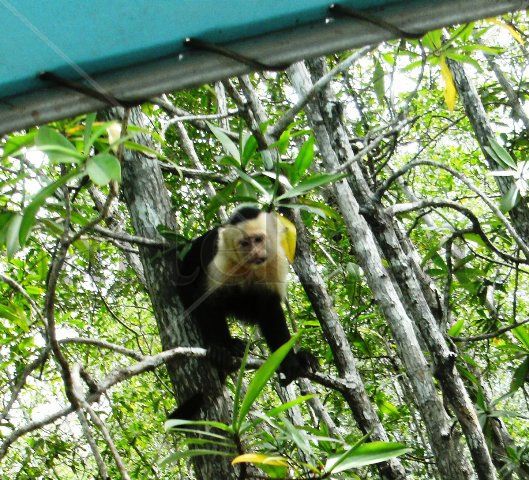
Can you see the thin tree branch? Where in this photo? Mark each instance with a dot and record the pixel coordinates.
(103, 344)
(396, 128)
(512, 97)
(288, 117)
(382, 189)
(191, 118)
(193, 173)
(189, 149)
(76, 380)
(165, 104)
(145, 365)
(17, 388)
(125, 237)
(487, 336)
(93, 445)
(420, 204)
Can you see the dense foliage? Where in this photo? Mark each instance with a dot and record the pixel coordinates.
(75, 306)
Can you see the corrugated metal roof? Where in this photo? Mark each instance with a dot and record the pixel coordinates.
(134, 49)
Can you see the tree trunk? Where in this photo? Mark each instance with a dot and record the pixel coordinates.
(444, 440)
(149, 205)
(480, 123)
(356, 396)
(519, 214)
(306, 269)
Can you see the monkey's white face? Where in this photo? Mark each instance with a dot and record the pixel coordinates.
(250, 252)
(251, 243)
(252, 249)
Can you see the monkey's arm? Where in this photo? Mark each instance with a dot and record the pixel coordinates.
(272, 323)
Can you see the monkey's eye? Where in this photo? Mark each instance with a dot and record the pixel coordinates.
(244, 243)
(259, 238)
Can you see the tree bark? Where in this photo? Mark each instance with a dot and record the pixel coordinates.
(356, 396)
(444, 440)
(149, 205)
(483, 130)
(519, 214)
(306, 269)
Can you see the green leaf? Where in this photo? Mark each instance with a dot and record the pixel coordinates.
(197, 452)
(510, 199)
(12, 235)
(15, 317)
(9, 314)
(298, 436)
(274, 471)
(520, 375)
(30, 212)
(312, 182)
(288, 405)
(283, 142)
(138, 147)
(239, 385)
(502, 156)
(250, 147)
(228, 161)
(229, 146)
(15, 143)
(378, 82)
(365, 454)
(303, 160)
(458, 57)
(97, 131)
(56, 146)
(412, 66)
(5, 218)
(207, 441)
(483, 48)
(456, 328)
(261, 377)
(103, 168)
(254, 183)
(432, 40)
(274, 412)
(87, 144)
(464, 31)
(201, 423)
(474, 237)
(522, 335)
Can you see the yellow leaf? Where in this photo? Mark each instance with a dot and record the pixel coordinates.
(71, 131)
(514, 33)
(450, 91)
(260, 458)
(288, 238)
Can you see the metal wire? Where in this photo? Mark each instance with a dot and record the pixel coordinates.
(337, 9)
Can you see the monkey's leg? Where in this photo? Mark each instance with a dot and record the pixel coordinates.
(220, 345)
(224, 351)
(271, 320)
(273, 325)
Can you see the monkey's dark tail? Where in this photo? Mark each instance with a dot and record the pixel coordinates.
(189, 409)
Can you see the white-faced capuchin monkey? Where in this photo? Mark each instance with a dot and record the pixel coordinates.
(239, 270)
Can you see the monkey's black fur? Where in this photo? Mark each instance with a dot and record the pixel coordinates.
(249, 303)
(242, 214)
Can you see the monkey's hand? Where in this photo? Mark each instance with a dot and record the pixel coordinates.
(227, 357)
(297, 364)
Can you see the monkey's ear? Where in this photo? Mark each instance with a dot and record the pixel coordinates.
(288, 237)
